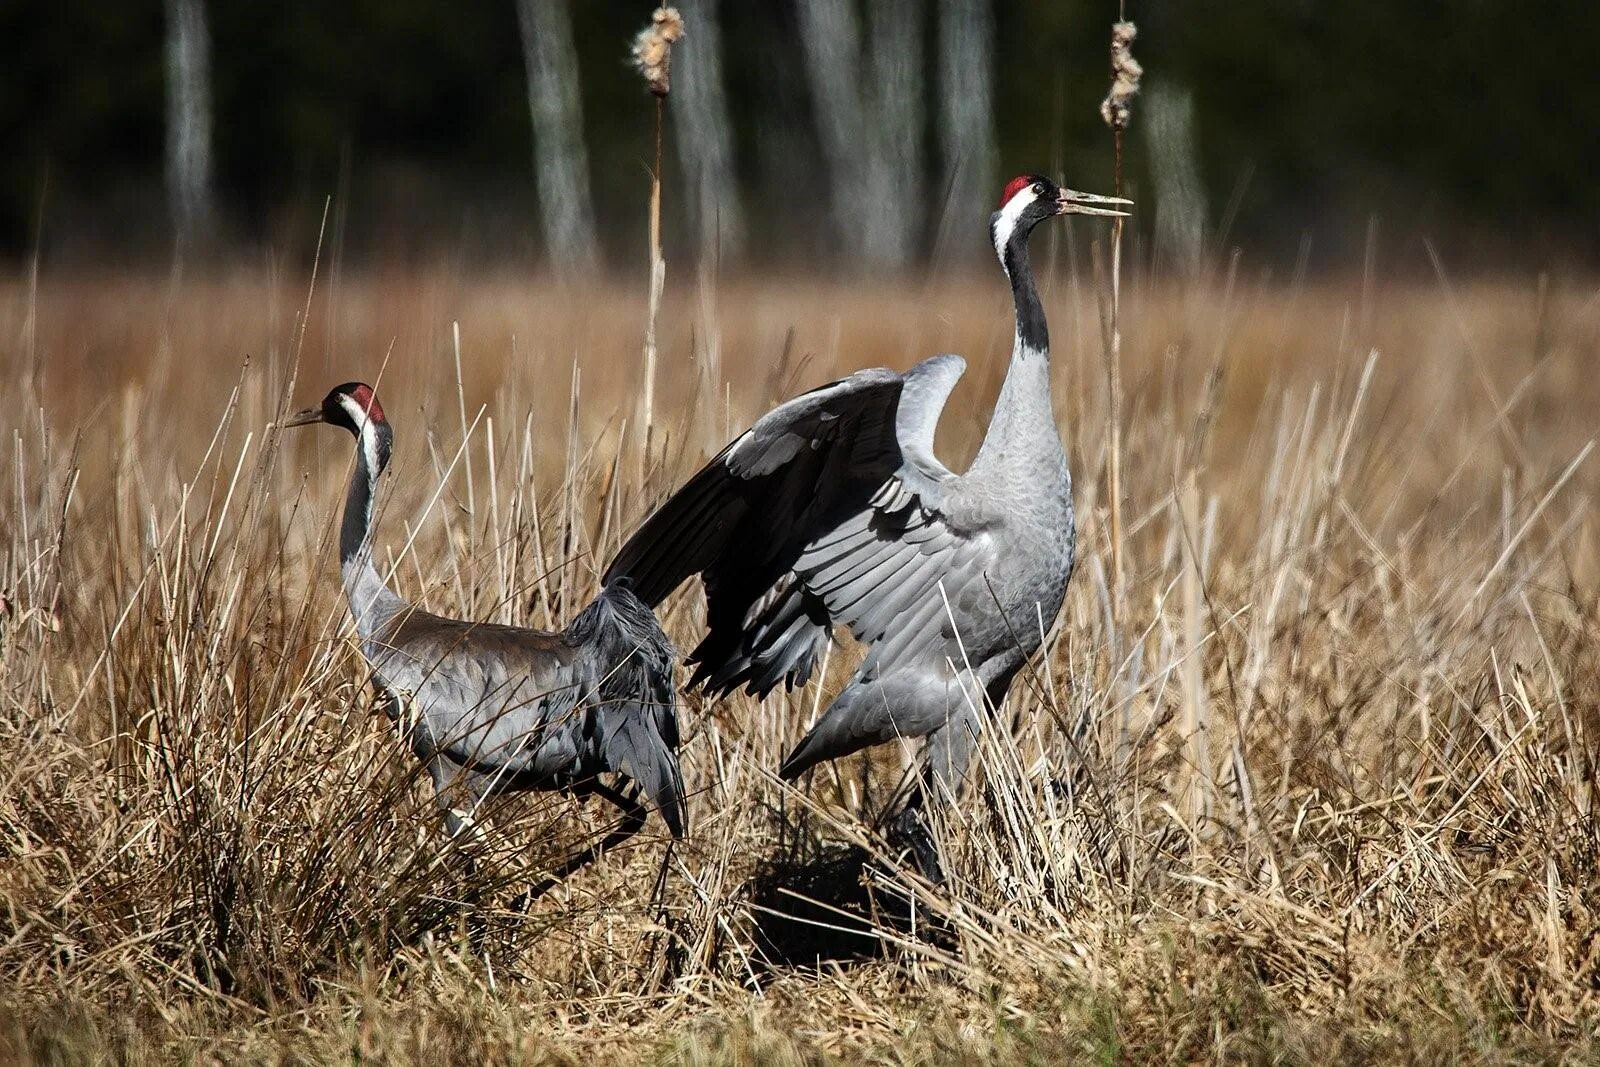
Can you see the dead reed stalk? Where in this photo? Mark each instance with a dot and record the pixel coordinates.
(652, 56)
(1117, 111)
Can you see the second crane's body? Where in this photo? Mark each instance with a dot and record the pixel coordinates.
(832, 509)
(492, 709)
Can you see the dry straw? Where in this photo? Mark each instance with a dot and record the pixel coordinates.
(1374, 589)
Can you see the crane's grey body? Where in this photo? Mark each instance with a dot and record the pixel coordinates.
(493, 708)
(946, 577)
(833, 510)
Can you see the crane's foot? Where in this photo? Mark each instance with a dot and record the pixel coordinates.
(909, 833)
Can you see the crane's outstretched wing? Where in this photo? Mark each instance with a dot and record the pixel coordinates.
(827, 510)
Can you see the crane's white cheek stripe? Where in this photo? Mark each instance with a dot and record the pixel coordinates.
(369, 445)
(369, 434)
(1006, 221)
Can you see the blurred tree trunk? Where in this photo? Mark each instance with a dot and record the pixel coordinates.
(900, 211)
(700, 108)
(1174, 165)
(188, 121)
(966, 123)
(867, 101)
(560, 160)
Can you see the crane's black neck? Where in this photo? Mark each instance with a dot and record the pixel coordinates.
(372, 604)
(1033, 334)
(1023, 432)
(373, 442)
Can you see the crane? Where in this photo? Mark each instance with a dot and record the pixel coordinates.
(832, 509)
(491, 709)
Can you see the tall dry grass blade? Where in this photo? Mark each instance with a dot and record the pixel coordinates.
(461, 412)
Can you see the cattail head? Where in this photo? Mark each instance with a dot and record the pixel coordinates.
(1117, 108)
(652, 49)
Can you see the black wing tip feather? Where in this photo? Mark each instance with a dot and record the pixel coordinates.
(638, 697)
(673, 814)
(669, 544)
(798, 762)
(719, 678)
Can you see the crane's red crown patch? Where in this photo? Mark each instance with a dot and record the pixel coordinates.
(1015, 186)
(362, 394)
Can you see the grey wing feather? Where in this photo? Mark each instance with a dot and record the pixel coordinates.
(742, 521)
(873, 589)
(922, 399)
(825, 511)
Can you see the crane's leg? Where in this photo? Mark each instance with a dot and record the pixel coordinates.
(946, 756)
(458, 792)
(633, 819)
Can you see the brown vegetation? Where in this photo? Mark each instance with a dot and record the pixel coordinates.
(1319, 789)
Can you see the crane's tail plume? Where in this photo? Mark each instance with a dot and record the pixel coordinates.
(636, 715)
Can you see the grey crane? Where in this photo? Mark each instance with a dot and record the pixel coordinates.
(832, 509)
(492, 709)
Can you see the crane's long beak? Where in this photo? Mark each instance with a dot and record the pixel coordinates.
(1072, 202)
(305, 418)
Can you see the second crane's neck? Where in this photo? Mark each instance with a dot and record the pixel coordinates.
(1023, 429)
(1033, 333)
(371, 602)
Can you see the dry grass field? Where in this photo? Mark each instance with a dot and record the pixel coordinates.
(1306, 774)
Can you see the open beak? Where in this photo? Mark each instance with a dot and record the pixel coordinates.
(304, 418)
(1072, 202)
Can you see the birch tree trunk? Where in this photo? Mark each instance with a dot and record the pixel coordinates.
(870, 122)
(1174, 164)
(967, 140)
(560, 160)
(699, 106)
(897, 211)
(188, 120)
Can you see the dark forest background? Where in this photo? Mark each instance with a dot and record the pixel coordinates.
(1472, 123)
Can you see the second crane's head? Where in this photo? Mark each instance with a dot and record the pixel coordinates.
(1029, 199)
(354, 406)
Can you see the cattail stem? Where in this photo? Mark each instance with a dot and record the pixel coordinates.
(1114, 373)
(1199, 786)
(1117, 110)
(652, 55)
(658, 278)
